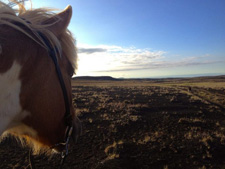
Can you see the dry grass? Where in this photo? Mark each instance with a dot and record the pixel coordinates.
(170, 127)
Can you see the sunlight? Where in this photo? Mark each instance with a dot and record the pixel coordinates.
(94, 63)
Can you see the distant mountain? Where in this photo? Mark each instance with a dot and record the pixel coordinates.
(109, 78)
(95, 78)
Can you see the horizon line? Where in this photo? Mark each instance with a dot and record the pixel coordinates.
(165, 76)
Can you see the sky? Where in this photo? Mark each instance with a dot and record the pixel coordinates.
(147, 38)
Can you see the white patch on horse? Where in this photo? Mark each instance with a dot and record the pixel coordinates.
(11, 112)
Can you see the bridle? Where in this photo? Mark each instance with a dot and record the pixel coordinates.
(53, 53)
(68, 117)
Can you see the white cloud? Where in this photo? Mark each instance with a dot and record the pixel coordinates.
(106, 58)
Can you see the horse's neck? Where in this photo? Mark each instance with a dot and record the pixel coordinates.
(10, 87)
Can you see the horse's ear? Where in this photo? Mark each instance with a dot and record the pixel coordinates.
(58, 23)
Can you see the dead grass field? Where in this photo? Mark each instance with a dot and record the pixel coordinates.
(142, 124)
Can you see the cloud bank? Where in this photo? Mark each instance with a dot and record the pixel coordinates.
(91, 50)
(106, 58)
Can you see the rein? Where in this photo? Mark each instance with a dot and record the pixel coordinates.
(52, 52)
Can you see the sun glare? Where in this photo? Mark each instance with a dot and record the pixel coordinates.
(91, 64)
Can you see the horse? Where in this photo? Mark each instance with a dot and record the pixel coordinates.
(38, 57)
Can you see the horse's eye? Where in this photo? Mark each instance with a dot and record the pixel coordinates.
(71, 74)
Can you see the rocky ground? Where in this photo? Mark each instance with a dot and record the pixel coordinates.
(140, 125)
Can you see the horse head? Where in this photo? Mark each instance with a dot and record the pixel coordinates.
(32, 102)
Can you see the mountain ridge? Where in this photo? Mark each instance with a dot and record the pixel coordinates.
(109, 78)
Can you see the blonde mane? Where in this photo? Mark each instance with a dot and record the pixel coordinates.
(33, 19)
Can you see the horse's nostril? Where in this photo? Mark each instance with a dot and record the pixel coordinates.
(58, 149)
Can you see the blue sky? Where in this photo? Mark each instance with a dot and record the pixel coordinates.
(147, 38)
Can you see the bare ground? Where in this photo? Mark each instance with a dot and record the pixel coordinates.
(140, 125)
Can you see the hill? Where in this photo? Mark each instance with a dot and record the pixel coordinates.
(94, 78)
(109, 78)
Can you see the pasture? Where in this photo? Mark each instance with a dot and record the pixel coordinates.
(141, 124)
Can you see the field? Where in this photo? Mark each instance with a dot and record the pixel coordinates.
(141, 124)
